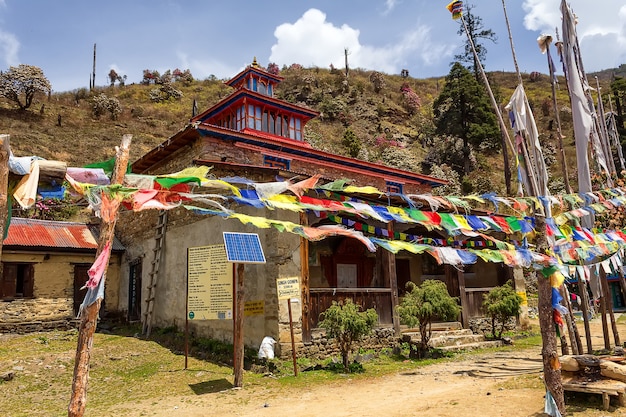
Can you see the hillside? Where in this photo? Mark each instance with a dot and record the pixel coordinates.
(62, 126)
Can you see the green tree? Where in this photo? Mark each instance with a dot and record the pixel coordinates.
(500, 304)
(351, 142)
(424, 303)
(463, 110)
(346, 324)
(479, 35)
(20, 84)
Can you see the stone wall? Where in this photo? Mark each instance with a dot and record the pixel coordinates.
(24, 315)
(320, 347)
(53, 303)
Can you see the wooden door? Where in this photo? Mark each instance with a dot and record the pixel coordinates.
(134, 291)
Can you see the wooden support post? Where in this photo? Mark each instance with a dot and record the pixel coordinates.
(609, 306)
(238, 327)
(89, 314)
(464, 302)
(293, 343)
(584, 305)
(389, 261)
(304, 283)
(603, 311)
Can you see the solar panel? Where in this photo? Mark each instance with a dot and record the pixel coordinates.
(243, 248)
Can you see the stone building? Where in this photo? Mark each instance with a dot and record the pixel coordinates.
(45, 264)
(253, 135)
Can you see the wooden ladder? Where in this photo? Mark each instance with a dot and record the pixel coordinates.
(159, 238)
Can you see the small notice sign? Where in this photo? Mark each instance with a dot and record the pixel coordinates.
(288, 288)
(254, 308)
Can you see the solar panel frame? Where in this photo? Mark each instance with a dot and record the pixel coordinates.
(243, 248)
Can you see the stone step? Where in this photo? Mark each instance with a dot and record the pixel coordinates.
(472, 346)
(456, 340)
(414, 333)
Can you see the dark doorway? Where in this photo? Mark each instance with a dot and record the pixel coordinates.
(80, 279)
(134, 291)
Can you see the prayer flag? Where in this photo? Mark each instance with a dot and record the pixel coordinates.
(456, 8)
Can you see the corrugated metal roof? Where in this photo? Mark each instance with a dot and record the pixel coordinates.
(52, 234)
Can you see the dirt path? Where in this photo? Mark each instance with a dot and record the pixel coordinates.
(487, 385)
(443, 390)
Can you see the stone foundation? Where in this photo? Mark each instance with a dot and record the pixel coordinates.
(482, 325)
(320, 347)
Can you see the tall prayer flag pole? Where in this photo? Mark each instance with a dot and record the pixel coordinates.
(93, 298)
(528, 130)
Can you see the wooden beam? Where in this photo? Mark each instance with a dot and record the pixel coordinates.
(89, 315)
(238, 311)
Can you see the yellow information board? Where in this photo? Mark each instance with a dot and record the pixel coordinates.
(288, 288)
(253, 308)
(209, 283)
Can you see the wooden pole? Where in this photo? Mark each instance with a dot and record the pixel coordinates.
(503, 127)
(89, 314)
(557, 116)
(238, 345)
(187, 311)
(603, 311)
(464, 301)
(293, 343)
(609, 305)
(5, 152)
(622, 283)
(304, 282)
(572, 319)
(393, 284)
(584, 305)
(568, 320)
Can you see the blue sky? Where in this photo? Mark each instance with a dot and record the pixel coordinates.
(222, 37)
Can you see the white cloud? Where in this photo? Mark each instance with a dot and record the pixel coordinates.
(203, 68)
(389, 5)
(601, 29)
(312, 41)
(9, 46)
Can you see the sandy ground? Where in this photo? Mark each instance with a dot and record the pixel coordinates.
(459, 388)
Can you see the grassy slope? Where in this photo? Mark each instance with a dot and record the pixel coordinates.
(82, 139)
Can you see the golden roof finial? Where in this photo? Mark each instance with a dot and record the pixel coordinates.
(254, 63)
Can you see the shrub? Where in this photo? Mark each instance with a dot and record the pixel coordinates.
(378, 81)
(421, 304)
(165, 92)
(101, 104)
(352, 142)
(346, 324)
(500, 304)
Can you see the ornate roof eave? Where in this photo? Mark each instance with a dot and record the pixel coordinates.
(286, 148)
(243, 93)
(257, 70)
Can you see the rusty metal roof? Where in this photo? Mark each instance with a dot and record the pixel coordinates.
(50, 234)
